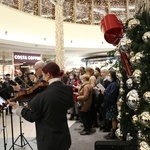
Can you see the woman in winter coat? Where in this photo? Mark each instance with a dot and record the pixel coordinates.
(111, 94)
(85, 100)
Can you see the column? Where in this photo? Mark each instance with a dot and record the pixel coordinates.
(59, 33)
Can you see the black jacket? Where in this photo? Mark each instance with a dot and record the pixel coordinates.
(49, 109)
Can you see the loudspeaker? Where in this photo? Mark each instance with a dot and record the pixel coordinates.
(115, 145)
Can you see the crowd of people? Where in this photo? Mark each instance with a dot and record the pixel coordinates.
(77, 92)
(95, 107)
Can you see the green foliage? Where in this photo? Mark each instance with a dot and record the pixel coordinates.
(111, 53)
(138, 45)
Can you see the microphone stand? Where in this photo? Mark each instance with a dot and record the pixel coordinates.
(12, 130)
(3, 123)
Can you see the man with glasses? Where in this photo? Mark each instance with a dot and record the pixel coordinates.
(38, 72)
(38, 69)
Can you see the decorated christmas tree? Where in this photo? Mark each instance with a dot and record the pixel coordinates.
(133, 70)
(134, 76)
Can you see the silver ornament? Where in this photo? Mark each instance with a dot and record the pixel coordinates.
(137, 76)
(145, 118)
(146, 36)
(125, 44)
(146, 96)
(132, 99)
(123, 48)
(129, 83)
(133, 23)
(118, 134)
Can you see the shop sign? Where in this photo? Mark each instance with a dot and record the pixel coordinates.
(26, 57)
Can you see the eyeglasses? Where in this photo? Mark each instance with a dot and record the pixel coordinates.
(37, 69)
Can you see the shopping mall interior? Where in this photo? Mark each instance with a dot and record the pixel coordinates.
(74, 34)
(29, 26)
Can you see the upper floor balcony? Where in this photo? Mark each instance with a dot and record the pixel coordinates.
(77, 11)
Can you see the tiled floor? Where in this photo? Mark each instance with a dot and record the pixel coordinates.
(27, 128)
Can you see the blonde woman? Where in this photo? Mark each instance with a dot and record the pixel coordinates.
(85, 96)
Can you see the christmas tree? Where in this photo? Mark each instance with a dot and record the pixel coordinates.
(134, 76)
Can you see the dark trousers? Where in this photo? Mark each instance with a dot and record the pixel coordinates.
(86, 120)
(94, 111)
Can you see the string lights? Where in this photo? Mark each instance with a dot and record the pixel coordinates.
(78, 11)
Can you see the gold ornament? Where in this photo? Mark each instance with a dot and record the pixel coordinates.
(120, 100)
(138, 56)
(121, 91)
(131, 53)
(137, 76)
(119, 103)
(144, 146)
(146, 36)
(119, 109)
(133, 23)
(134, 119)
(119, 117)
(121, 83)
(146, 96)
(119, 75)
(145, 118)
(133, 60)
(117, 69)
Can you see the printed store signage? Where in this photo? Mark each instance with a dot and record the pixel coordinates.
(26, 57)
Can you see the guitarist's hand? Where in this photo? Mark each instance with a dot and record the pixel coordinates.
(13, 104)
